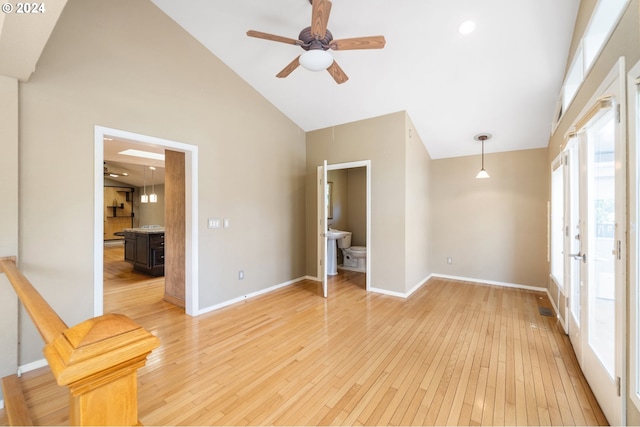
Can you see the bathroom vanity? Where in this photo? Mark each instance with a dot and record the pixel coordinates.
(144, 248)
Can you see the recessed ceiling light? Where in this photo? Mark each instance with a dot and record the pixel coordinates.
(144, 154)
(466, 27)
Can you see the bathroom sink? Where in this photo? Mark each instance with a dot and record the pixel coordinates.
(336, 234)
(333, 236)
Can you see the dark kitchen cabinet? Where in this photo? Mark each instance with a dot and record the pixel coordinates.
(145, 250)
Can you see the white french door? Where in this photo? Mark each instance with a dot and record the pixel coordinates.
(594, 239)
(572, 246)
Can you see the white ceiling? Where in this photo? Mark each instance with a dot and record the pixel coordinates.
(502, 79)
(136, 168)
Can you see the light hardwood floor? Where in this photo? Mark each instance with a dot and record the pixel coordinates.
(453, 353)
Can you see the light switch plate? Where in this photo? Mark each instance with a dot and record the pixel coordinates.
(213, 223)
(226, 223)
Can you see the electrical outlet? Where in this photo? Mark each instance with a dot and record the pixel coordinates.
(240, 274)
(449, 260)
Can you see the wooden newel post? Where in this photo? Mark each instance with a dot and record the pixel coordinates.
(98, 361)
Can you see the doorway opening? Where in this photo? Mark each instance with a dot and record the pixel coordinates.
(190, 266)
(329, 215)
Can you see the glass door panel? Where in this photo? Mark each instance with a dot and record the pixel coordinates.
(573, 233)
(601, 232)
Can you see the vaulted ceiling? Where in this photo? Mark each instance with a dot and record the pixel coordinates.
(504, 78)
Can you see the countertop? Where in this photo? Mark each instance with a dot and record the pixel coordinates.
(145, 230)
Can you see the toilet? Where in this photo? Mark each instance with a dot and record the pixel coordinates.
(354, 257)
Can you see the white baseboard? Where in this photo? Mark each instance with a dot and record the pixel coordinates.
(419, 285)
(492, 282)
(388, 292)
(251, 295)
(32, 366)
(404, 295)
(555, 308)
(446, 276)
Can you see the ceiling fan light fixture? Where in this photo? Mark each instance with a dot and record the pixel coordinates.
(316, 60)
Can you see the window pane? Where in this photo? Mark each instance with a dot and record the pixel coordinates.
(574, 227)
(557, 226)
(573, 81)
(603, 20)
(601, 223)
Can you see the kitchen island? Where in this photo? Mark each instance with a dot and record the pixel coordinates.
(144, 248)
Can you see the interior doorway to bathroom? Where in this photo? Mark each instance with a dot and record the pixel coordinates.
(344, 203)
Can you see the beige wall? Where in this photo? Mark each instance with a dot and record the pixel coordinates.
(395, 160)
(418, 205)
(149, 213)
(338, 180)
(126, 65)
(494, 229)
(357, 213)
(8, 221)
(350, 202)
(380, 140)
(624, 41)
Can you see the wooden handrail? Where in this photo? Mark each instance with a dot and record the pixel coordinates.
(46, 320)
(97, 359)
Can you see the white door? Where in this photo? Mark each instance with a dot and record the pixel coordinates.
(572, 248)
(595, 238)
(323, 209)
(601, 269)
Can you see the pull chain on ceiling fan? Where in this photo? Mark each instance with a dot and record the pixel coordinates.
(316, 40)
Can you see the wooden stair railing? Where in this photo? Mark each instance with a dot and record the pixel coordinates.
(15, 404)
(97, 359)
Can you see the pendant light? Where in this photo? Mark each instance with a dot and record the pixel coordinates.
(153, 197)
(482, 138)
(144, 198)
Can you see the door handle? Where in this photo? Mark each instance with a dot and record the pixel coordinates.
(579, 257)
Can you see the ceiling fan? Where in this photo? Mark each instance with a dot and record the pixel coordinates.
(110, 173)
(316, 40)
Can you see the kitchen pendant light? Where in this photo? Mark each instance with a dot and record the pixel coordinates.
(144, 198)
(153, 197)
(482, 138)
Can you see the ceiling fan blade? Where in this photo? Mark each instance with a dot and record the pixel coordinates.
(373, 42)
(272, 37)
(336, 72)
(320, 17)
(289, 68)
